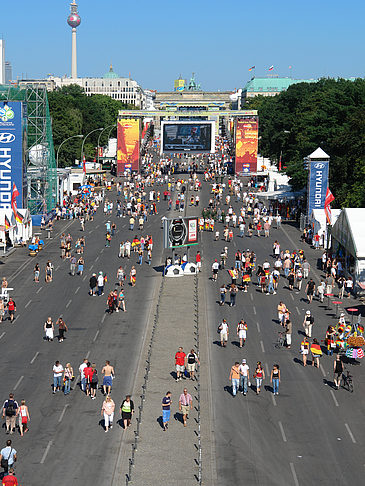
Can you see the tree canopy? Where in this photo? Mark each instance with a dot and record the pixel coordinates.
(329, 113)
(74, 113)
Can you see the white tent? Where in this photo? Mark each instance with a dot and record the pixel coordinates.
(318, 221)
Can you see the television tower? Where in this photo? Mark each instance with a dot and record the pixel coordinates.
(74, 20)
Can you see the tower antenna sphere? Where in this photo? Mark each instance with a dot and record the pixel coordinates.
(74, 20)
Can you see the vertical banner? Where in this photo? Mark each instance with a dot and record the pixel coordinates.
(11, 154)
(317, 184)
(128, 135)
(246, 146)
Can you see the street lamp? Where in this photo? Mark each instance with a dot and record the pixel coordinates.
(83, 142)
(110, 126)
(69, 138)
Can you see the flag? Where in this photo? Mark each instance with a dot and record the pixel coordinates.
(7, 222)
(271, 68)
(17, 215)
(328, 213)
(84, 164)
(251, 68)
(316, 349)
(329, 197)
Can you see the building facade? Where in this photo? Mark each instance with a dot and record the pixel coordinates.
(8, 72)
(270, 86)
(2, 61)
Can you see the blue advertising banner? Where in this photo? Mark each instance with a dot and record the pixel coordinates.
(11, 153)
(318, 183)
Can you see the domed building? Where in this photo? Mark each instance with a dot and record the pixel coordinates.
(111, 74)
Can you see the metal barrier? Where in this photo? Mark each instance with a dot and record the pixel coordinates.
(196, 332)
(128, 478)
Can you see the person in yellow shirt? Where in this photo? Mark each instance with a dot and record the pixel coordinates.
(234, 377)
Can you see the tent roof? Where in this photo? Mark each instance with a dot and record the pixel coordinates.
(319, 154)
(349, 230)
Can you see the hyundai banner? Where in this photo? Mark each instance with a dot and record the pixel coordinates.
(11, 153)
(318, 183)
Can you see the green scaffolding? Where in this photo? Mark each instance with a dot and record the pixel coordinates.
(41, 170)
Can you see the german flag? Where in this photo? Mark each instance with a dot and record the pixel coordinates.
(7, 223)
(360, 328)
(316, 349)
(19, 218)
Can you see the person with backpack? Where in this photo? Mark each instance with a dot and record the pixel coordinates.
(10, 412)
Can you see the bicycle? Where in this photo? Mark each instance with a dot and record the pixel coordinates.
(280, 342)
(347, 382)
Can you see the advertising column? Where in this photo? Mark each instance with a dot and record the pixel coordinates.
(11, 154)
(317, 185)
(128, 134)
(246, 146)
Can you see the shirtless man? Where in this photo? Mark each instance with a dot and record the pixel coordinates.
(108, 372)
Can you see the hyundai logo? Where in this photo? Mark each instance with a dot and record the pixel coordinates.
(6, 137)
(319, 165)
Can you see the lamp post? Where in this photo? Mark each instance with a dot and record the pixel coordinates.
(69, 138)
(110, 126)
(83, 142)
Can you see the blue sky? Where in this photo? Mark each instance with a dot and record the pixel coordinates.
(158, 41)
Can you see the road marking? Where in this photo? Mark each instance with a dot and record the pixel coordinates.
(78, 288)
(298, 310)
(101, 251)
(84, 278)
(58, 266)
(97, 226)
(63, 413)
(97, 258)
(91, 231)
(258, 327)
(273, 400)
(334, 398)
(87, 355)
(296, 482)
(103, 318)
(282, 431)
(26, 305)
(68, 303)
(350, 433)
(34, 357)
(18, 382)
(267, 369)
(262, 346)
(91, 267)
(96, 336)
(322, 369)
(3, 334)
(251, 296)
(292, 296)
(40, 288)
(254, 310)
(46, 452)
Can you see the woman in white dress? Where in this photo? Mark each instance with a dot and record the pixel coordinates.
(49, 329)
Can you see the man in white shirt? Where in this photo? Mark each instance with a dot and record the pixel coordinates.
(224, 331)
(82, 375)
(245, 376)
(57, 376)
(215, 268)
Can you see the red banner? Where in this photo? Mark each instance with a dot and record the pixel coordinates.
(246, 146)
(128, 145)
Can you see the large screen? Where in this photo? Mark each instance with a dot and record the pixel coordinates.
(197, 137)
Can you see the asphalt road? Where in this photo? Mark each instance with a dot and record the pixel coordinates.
(310, 433)
(66, 443)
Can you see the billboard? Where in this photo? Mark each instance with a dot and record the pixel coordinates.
(188, 136)
(180, 232)
(12, 168)
(179, 84)
(128, 140)
(246, 145)
(317, 184)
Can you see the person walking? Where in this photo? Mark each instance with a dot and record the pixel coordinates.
(10, 413)
(337, 371)
(288, 332)
(304, 350)
(308, 323)
(11, 309)
(215, 268)
(242, 332)
(224, 332)
(275, 379)
(94, 382)
(100, 282)
(8, 456)
(245, 376)
(166, 410)
(185, 403)
(107, 411)
(234, 377)
(108, 372)
(82, 367)
(316, 352)
(37, 272)
(62, 328)
(133, 276)
(121, 300)
(68, 375)
(73, 262)
(92, 284)
(49, 329)
(57, 376)
(127, 411)
(259, 376)
(180, 361)
(24, 418)
(310, 289)
(9, 478)
(49, 272)
(192, 360)
(232, 293)
(222, 292)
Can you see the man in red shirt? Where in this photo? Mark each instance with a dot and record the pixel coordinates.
(180, 358)
(198, 260)
(10, 479)
(11, 309)
(88, 372)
